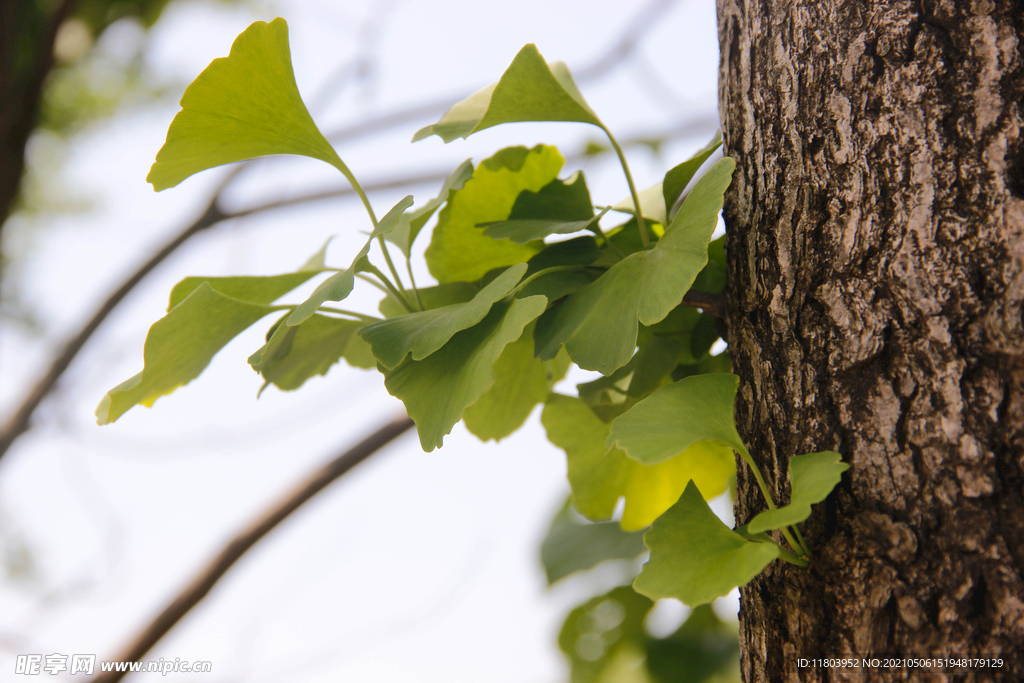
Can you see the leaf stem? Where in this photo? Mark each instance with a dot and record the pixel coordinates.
(800, 538)
(400, 295)
(345, 171)
(412, 279)
(644, 239)
(792, 558)
(552, 269)
(352, 314)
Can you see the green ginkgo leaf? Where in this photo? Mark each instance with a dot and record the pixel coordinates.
(438, 389)
(695, 557)
(339, 285)
(458, 249)
(680, 176)
(294, 354)
(412, 222)
(529, 90)
(599, 477)
(598, 324)
(241, 106)
(254, 289)
(560, 207)
(180, 345)
(812, 477)
(574, 544)
(678, 415)
(421, 334)
(521, 382)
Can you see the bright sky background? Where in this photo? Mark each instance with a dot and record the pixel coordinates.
(414, 568)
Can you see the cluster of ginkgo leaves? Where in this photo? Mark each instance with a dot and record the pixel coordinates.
(510, 311)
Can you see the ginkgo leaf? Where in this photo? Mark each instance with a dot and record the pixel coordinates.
(676, 416)
(574, 544)
(521, 382)
(529, 90)
(652, 201)
(599, 476)
(598, 324)
(812, 477)
(458, 249)
(294, 354)
(339, 285)
(180, 345)
(241, 106)
(695, 557)
(559, 208)
(422, 333)
(412, 222)
(254, 289)
(680, 176)
(438, 389)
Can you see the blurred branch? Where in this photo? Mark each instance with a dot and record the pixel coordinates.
(20, 95)
(241, 543)
(212, 214)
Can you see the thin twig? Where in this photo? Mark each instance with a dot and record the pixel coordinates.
(208, 577)
(712, 304)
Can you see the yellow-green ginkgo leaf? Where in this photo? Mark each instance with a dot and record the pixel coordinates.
(180, 345)
(529, 90)
(241, 106)
(599, 476)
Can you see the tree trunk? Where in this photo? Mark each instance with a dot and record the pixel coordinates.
(876, 279)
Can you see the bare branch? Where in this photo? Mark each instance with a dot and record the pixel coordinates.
(208, 577)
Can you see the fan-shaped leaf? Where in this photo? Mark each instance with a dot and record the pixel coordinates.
(695, 557)
(678, 415)
(180, 345)
(811, 478)
(599, 476)
(458, 249)
(294, 354)
(438, 389)
(242, 106)
(529, 90)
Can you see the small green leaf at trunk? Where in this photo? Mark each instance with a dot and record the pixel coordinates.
(695, 557)
(678, 415)
(529, 90)
(421, 334)
(812, 477)
(600, 476)
(179, 346)
(438, 389)
(458, 249)
(242, 106)
(573, 544)
(598, 324)
(294, 354)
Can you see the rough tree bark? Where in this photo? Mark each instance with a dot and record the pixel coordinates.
(876, 248)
